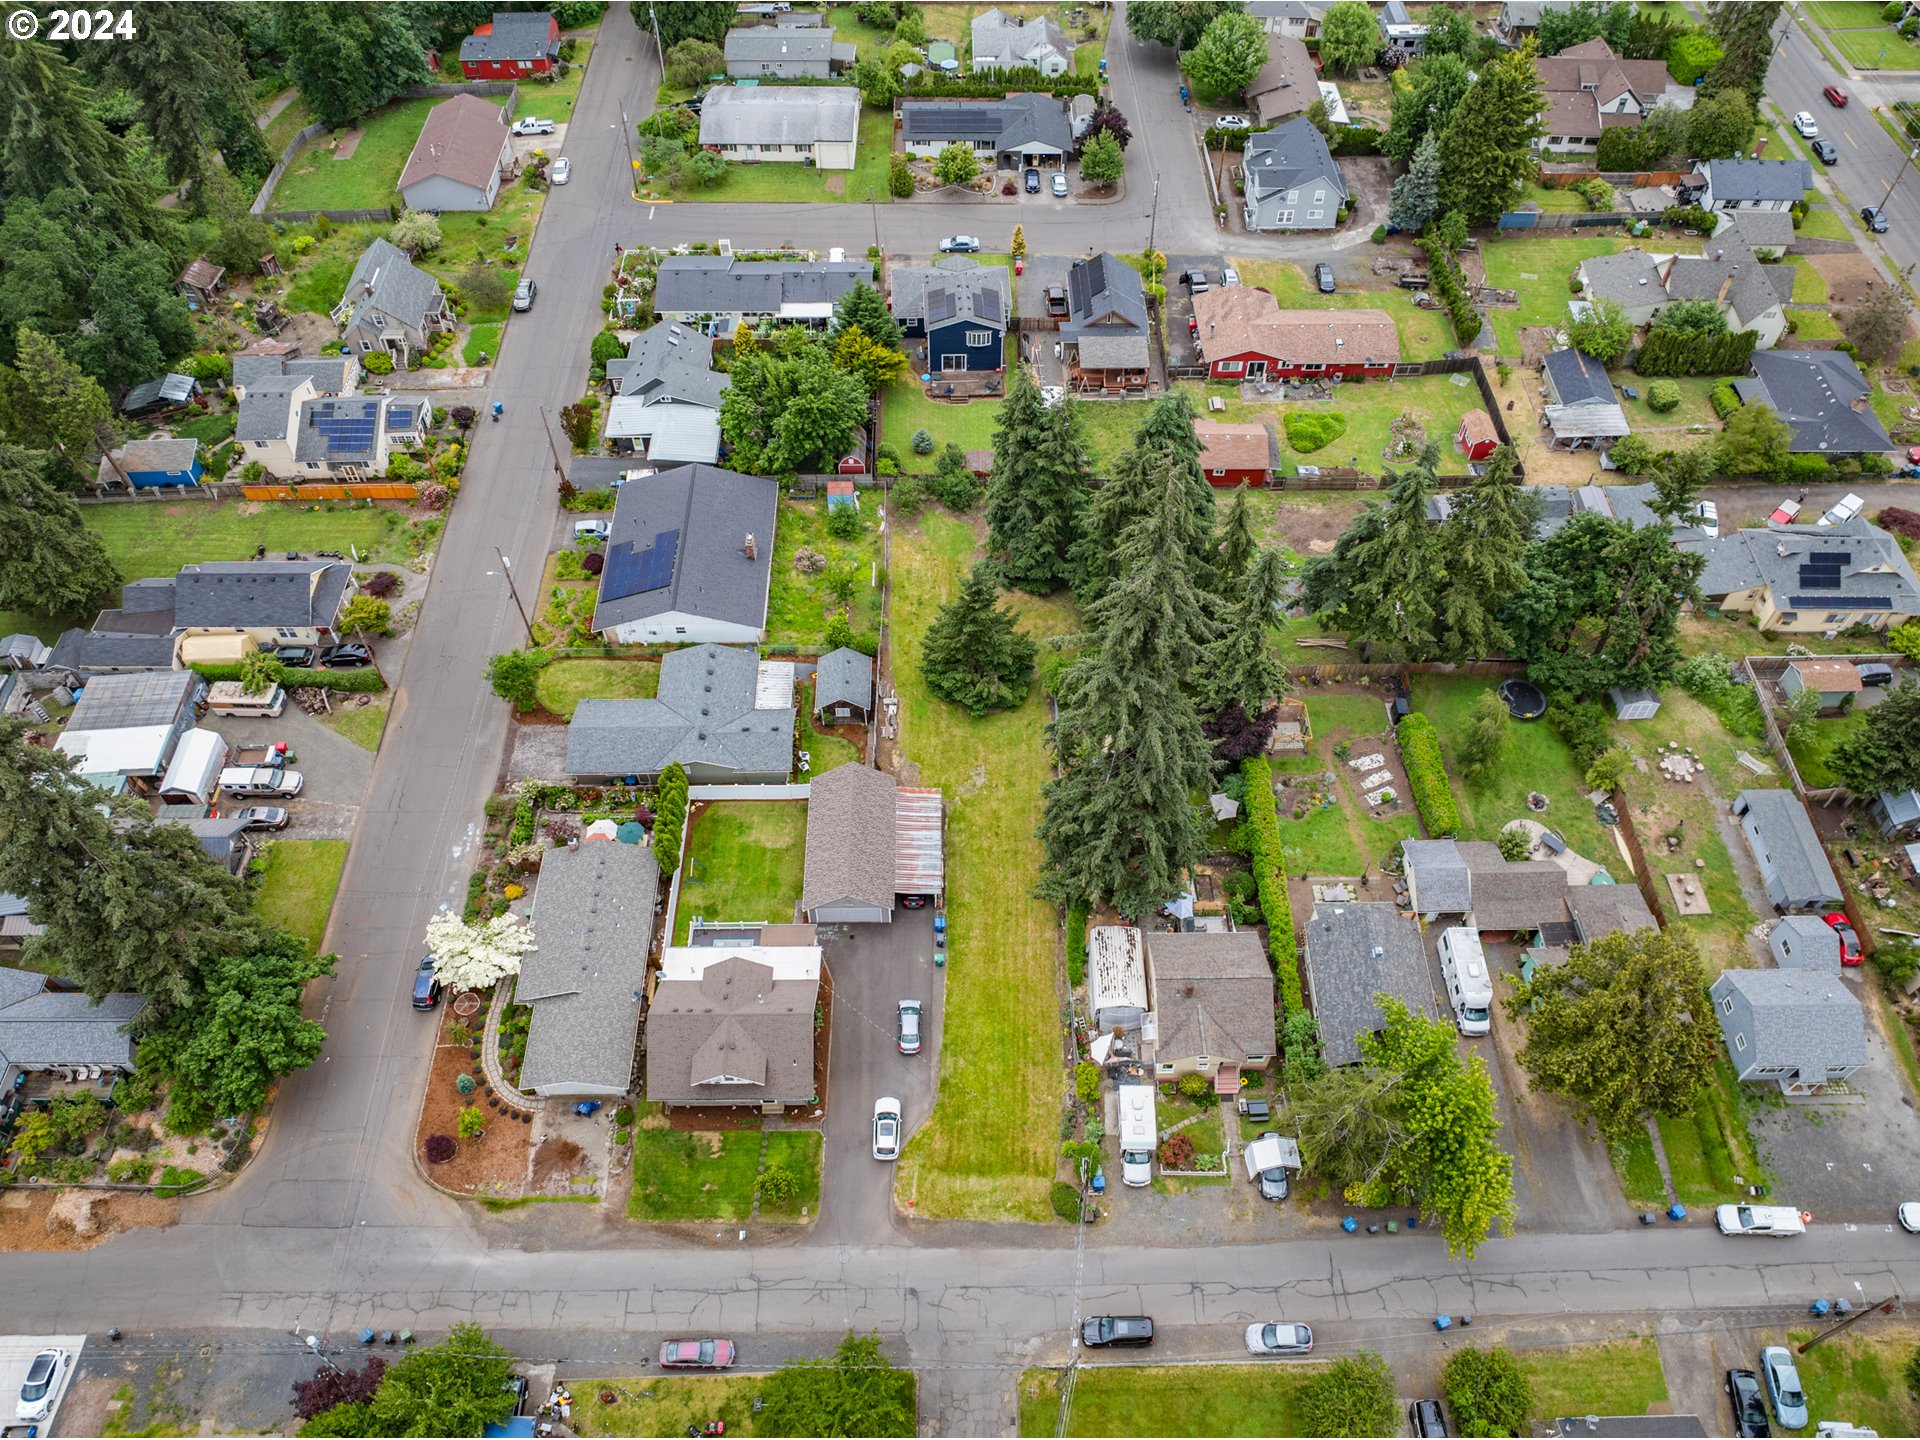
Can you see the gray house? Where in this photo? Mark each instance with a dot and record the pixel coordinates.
(786, 53)
(593, 912)
(1748, 184)
(708, 715)
(64, 1032)
(669, 363)
(1438, 882)
(1213, 1005)
(1002, 42)
(390, 305)
(1602, 910)
(1292, 179)
(1821, 395)
(1791, 858)
(1800, 578)
(456, 162)
(1896, 812)
(817, 125)
(1582, 410)
(1799, 1029)
(717, 293)
(1353, 953)
(1018, 130)
(1805, 942)
(736, 1035)
(689, 558)
(851, 844)
(843, 687)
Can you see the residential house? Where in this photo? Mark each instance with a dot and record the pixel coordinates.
(843, 688)
(1747, 184)
(1768, 233)
(1799, 1029)
(296, 434)
(16, 927)
(771, 14)
(870, 841)
(1213, 1005)
(200, 283)
(62, 1032)
(1020, 130)
(959, 308)
(390, 305)
(1792, 861)
(514, 45)
(1494, 895)
(1805, 942)
(152, 398)
(1004, 42)
(716, 294)
(1821, 395)
(329, 375)
(1751, 296)
(689, 559)
(1105, 332)
(128, 725)
(1602, 910)
(666, 396)
(21, 651)
(817, 125)
(1297, 18)
(664, 434)
(1243, 334)
(739, 1034)
(1588, 88)
(1356, 952)
(457, 161)
(1836, 682)
(121, 642)
(1292, 179)
(1520, 18)
(1402, 38)
(1810, 577)
(1436, 878)
(1896, 812)
(149, 464)
(786, 53)
(593, 911)
(1287, 84)
(1233, 455)
(1581, 409)
(1476, 438)
(708, 715)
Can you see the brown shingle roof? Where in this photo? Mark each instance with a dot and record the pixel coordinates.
(736, 1023)
(461, 140)
(1232, 447)
(850, 838)
(1212, 995)
(1828, 675)
(1514, 895)
(1477, 425)
(1238, 319)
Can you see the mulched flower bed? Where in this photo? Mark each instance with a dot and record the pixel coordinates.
(496, 1163)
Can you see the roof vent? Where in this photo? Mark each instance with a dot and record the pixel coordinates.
(749, 548)
(1379, 953)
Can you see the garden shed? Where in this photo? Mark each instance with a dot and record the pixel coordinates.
(1634, 704)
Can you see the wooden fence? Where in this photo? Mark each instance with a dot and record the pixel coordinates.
(383, 490)
(1337, 671)
(1636, 852)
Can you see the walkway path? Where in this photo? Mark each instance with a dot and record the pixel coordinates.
(490, 1053)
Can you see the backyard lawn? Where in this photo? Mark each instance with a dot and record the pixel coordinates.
(777, 183)
(1621, 1377)
(369, 178)
(1539, 270)
(990, 1148)
(151, 540)
(1435, 401)
(1812, 743)
(562, 685)
(824, 752)
(1857, 1377)
(296, 892)
(1694, 408)
(743, 862)
(1167, 1400)
(1424, 334)
(706, 1175)
(798, 604)
(1342, 838)
(905, 409)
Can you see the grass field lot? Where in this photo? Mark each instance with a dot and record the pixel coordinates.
(1857, 1376)
(990, 1148)
(1342, 838)
(1844, 14)
(777, 183)
(1881, 49)
(1424, 334)
(1539, 270)
(565, 683)
(1370, 410)
(706, 1175)
(1639, 1172)
(296, 893)
(1809, 285)
(151, 540)
(1812, 743)
(1535, 759)
(798, 605)
(483, 344)
(1167, 1400)
(362, 724)
(666, 1404)
(1710, 1152)
(1554, 200)
(1695, 408)
(365, 180)
(1109, 427)
(1822, 223)
(905, 409)
(743, 862)
(1622, 1377)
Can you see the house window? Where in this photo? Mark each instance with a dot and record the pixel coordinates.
(1319, 197)
(977, 338)
(379, 322)
(1730, 205)
(366, 345)
(1789, 617)
(259, 444)
(679, 629)
(1311, 368)
(1838, 619)
(1726, 1005)
(1216, 473)
(1166, 1067)
(1284, 217)
(1293, 197)
(1202, 1061)
(953, 362)
(1316, 214)
(1227, 367)
(1740, 1043)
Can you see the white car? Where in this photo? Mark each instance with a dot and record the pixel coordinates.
(531, 126)
(42, 1385)
(1233, 122)
(1844, 509)
(1279, 1339)
(1229, 275)
(1910, 1218)
(886, 1128)
(1806, 124)
(1706, 519)
(561, 172)
(1059, 184)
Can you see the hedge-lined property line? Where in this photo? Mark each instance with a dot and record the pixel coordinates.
(1270, 871)
(365, 679)
(1427, 775)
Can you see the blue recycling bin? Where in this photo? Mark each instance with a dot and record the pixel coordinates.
(1349, 1224)
(1676, 1211)
(1820, 1307)
(1443, 1322)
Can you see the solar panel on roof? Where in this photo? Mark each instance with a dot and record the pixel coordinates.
(940, 306)
(986, 304)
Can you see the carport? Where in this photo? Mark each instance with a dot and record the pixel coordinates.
(919, 850)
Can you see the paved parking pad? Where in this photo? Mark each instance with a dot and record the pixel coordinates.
(16, 1354)
(334, 770)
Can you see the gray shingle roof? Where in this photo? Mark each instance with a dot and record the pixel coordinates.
(717, 284)
(115, 702)
(1799, 859)
(962, 277)
(1010, 123)
(1601, 910)
(593, 917)
(1759, 179)
(256, 594)
(776, 44)
(222, 837)
(1514, 895)
(1439, 875)
(1875, 575)
(516, 35)
(1762, 229)
(850, 838)
(1578, 378)
(266, 411)
(1815, 392)
(643, 737)
(387, 280)
(1213, 995)
(86, 651)
(1001, 39)
(328, 372)
(737, 1024)
(843, 675)
(1345, 973)
(1629, 279)
(47, 1027)
(780, 114)
(1290, 156)
(670, 362)
(1802, 1019)
(708, 512)
(1729, 271)
(1805, 942)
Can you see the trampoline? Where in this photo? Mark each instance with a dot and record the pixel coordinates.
(1524, 701)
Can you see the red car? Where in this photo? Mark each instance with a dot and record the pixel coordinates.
(1849, 942)
(1785, 512)
(696, 1354)
(1836, 97)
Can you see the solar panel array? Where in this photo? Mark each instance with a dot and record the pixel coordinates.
(629, 571)
(349, 429)
(1822, 569)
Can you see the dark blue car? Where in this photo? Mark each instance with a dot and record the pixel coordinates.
(426, 985)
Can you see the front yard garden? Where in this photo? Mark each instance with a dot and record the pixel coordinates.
(685, 1176)
(801, 598)
(1621, 1377)
(1168, 1400)
(563, 684)
(744, 861)
(990, 1150)
(666, 1404)
(297, 882)
(777, 183)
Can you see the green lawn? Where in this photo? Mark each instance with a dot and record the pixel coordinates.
(47, 627)
(704, 1175)
(1735, 634)
(1809, 285)
(1710, 1153)
(1339, 839)
(483, 344)
(1557, 200)
(1881, 49)
(1539, 269)
(362, 724)
(1694, 409)
(1167, 1400)
(824, 752)
(211, 429)
(1814, 325)
(990, 1149)
(1535, 759)
(1109, 427)
(743, 862)
(1844, 14)
(1621, 1377)
(778, 183)
(1812, 743)
(287, 124)
(1639, 1172)
(1857, 1377)
(365, 180)
(565, 683)
(296, 892)
(1424, 334)
(666, 1404)
(1823, 224)
(798, 605)
(147, 541)
(905, 409)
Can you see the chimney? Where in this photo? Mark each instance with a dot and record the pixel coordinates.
(1379, 952)
(1859, 406)
(749, 549)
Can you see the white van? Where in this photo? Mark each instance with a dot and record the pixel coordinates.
(1779, 1220)
(230, 697)
(1139, 1134)
(260, 782)
(1463, 964)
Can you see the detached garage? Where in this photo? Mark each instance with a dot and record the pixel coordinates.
(869, 843)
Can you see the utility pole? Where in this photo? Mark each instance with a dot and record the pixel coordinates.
(658, 49)
(507, 566)
(552, 444)
(313, 1344)
(1885, 1307)
(1153, 219)
(1913, 153)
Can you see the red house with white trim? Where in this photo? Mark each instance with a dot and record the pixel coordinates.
(1243, 334)
(515, 45)
(1476, 436)
(1232, 455)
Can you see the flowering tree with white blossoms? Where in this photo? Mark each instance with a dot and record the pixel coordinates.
(473, 957)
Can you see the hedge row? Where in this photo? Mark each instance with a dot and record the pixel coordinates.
(999, 84)
(354, 680)
(1427, 775)
(1446, 282)
(1666, 353)
(1270, 870)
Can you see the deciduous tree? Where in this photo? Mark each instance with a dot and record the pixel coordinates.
(515, 675)
(1721, 126)
(706, 20)
(871, 361)
(1877, 326)
(956, 164)
(1486, 151)
(1353, 1396)
(417, 232)
(1755, 442)
(1604, 331)
(858, 1391)
(1424, 99)
(1229, 53)
(476, 957)
(1487, 1391)
(791, 411)
(1349, 37)
(349, 57)
(1178, 24)
(975, 654)
(692, 60)
(1101, 162)
(1583, 21)
(458, 1387)
(1108, 120)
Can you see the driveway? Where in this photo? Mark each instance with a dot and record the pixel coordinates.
(874, 968)
(335, 771)
(1181, 347)
(1749, 505)
(16, 1354)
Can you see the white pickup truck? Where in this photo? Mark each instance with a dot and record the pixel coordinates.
(1780, 1220)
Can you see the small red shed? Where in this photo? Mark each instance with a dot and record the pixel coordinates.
(1476, 436)
(1234, 455)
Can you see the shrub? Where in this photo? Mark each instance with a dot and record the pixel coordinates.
(1311, 430)
(1195, 1087)
(1427, 775)
(377, 362)
(1583, 724)
(440, 1148)
(1352, 1396)
(623, 1116)
(1066, 1202)
(922, 442)
(1077, 942)
(843, 522)
(130, 1171)
(1487, 1391)
(1177, 1152)
(776, 1185)
(1514, 842)
(1900, 521)
(473, 1123)
(465, 1084)
(1596, 192)
(1662, 396)
(1086, 1081)
(1379, 236)
(899, 177)
(1270, 873)
(381, 584)
(1723, 399)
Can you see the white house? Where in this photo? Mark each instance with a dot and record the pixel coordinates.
(817, 125)
(1002, 42)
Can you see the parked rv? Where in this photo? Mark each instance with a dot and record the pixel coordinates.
(1463, 964)
(1139, 1134)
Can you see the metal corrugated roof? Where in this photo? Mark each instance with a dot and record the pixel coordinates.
(919, 851)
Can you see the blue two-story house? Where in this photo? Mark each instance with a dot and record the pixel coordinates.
(959, 308)
(145, 464)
